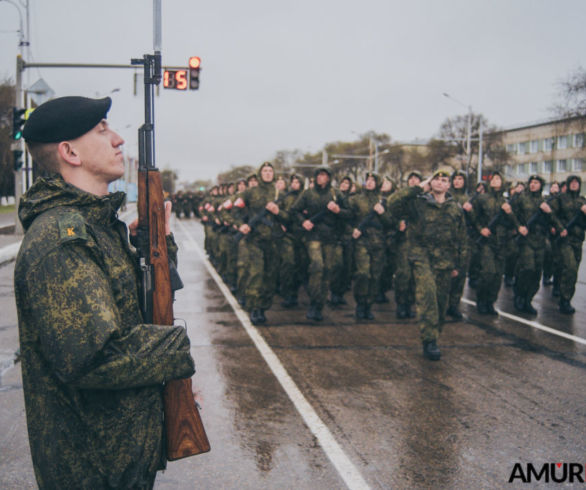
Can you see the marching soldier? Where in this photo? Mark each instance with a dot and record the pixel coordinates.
(321, 212)
(535, 219)
(261, 246)
(436, 249)
(570, 212)
(366, 212)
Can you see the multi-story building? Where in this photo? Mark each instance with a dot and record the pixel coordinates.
(552, 149)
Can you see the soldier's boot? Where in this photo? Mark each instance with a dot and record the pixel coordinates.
(529, 308)
(290, 302)
(360, 311)
(481, 307)
(547, 280)
(519, 303)
(402, 311)
(490, 309)
(381, 298)
(566, 307)
(454, 312)
(318, 317)
(242, 301)
(431, 350)
(368, 313)
(555, 292)
(337, 299)
(262, 317)
(255, 317)
(509, 281)
(410, 312)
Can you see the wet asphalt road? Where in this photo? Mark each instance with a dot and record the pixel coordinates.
(504, 392)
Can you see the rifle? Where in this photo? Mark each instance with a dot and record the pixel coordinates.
(258, 217)
(184, 429)
(535, 217)
(369, 217)
(577, 220)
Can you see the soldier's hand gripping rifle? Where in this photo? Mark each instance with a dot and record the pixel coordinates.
(184, 429)
(536, 217)
(260, 216)
(369, 217)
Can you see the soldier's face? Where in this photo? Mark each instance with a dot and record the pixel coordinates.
(295, 185)
(252, 183)
(574, 185)
(554, 189)
(458, 182)
(387, 186)
(344, 185)
(496, 182)
(440, 184)
(534, 185)
(241, 186)
(322, 179)
(280, 184)
(267, 173)
(370, 183)
(413, 181)
(100, 152)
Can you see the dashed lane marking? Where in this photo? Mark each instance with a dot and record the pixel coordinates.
(348, 472)
(533, 324)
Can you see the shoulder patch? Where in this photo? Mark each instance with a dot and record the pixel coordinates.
(72, 227)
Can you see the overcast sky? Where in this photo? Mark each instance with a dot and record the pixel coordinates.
(296, 75)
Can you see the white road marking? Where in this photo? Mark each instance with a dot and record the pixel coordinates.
(533, 324)
(335, 453)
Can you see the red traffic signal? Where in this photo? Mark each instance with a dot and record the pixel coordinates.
(194, 66)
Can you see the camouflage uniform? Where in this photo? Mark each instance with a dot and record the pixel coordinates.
(487, 207)
(93, 373)
(261, 248)
(368, 248)
(323, 241)
(293, 263)
(531, 247)
(566, 207)
(436, 248)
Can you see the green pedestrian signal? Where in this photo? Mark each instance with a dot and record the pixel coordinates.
(18, 120)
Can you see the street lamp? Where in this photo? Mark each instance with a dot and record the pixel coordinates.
(468, 130)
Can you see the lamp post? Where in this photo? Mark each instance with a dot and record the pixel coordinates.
(468, 129)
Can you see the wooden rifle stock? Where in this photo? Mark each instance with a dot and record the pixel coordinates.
(186, 435)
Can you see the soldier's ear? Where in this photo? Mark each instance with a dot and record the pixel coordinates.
(69, 154)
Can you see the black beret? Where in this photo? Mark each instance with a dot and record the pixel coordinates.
(65, 118)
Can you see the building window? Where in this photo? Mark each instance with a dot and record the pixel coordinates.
(534, 146)
(578, 140)
(562, 165)
(521, 148)
(521, 169)
(548, 144)
(562, 142)
(511, 148)
(577, 165)
(547, 167)
(533, 168)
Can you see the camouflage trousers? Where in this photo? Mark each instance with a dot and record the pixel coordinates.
(528, 270)
(571, 255)
(432, 289)
(325, 266)
(261, 282)
(404, 281)
(292, 267)
(369, 260)
(492, 267)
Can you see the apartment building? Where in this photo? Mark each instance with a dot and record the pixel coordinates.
(553, 149)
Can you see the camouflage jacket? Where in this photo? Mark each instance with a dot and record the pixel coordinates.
(566, 206)
(93, 372)
(488, 211)
(437, 232)
(527, 212)
(372, 226)
(328, 226)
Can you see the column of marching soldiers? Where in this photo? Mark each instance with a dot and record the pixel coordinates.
(269, 235)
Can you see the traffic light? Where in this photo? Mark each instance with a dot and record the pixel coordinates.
(18, 120)
(194, 64)
(17, 155)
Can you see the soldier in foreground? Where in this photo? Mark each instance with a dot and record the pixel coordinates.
(437, 242)
(93, 372)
